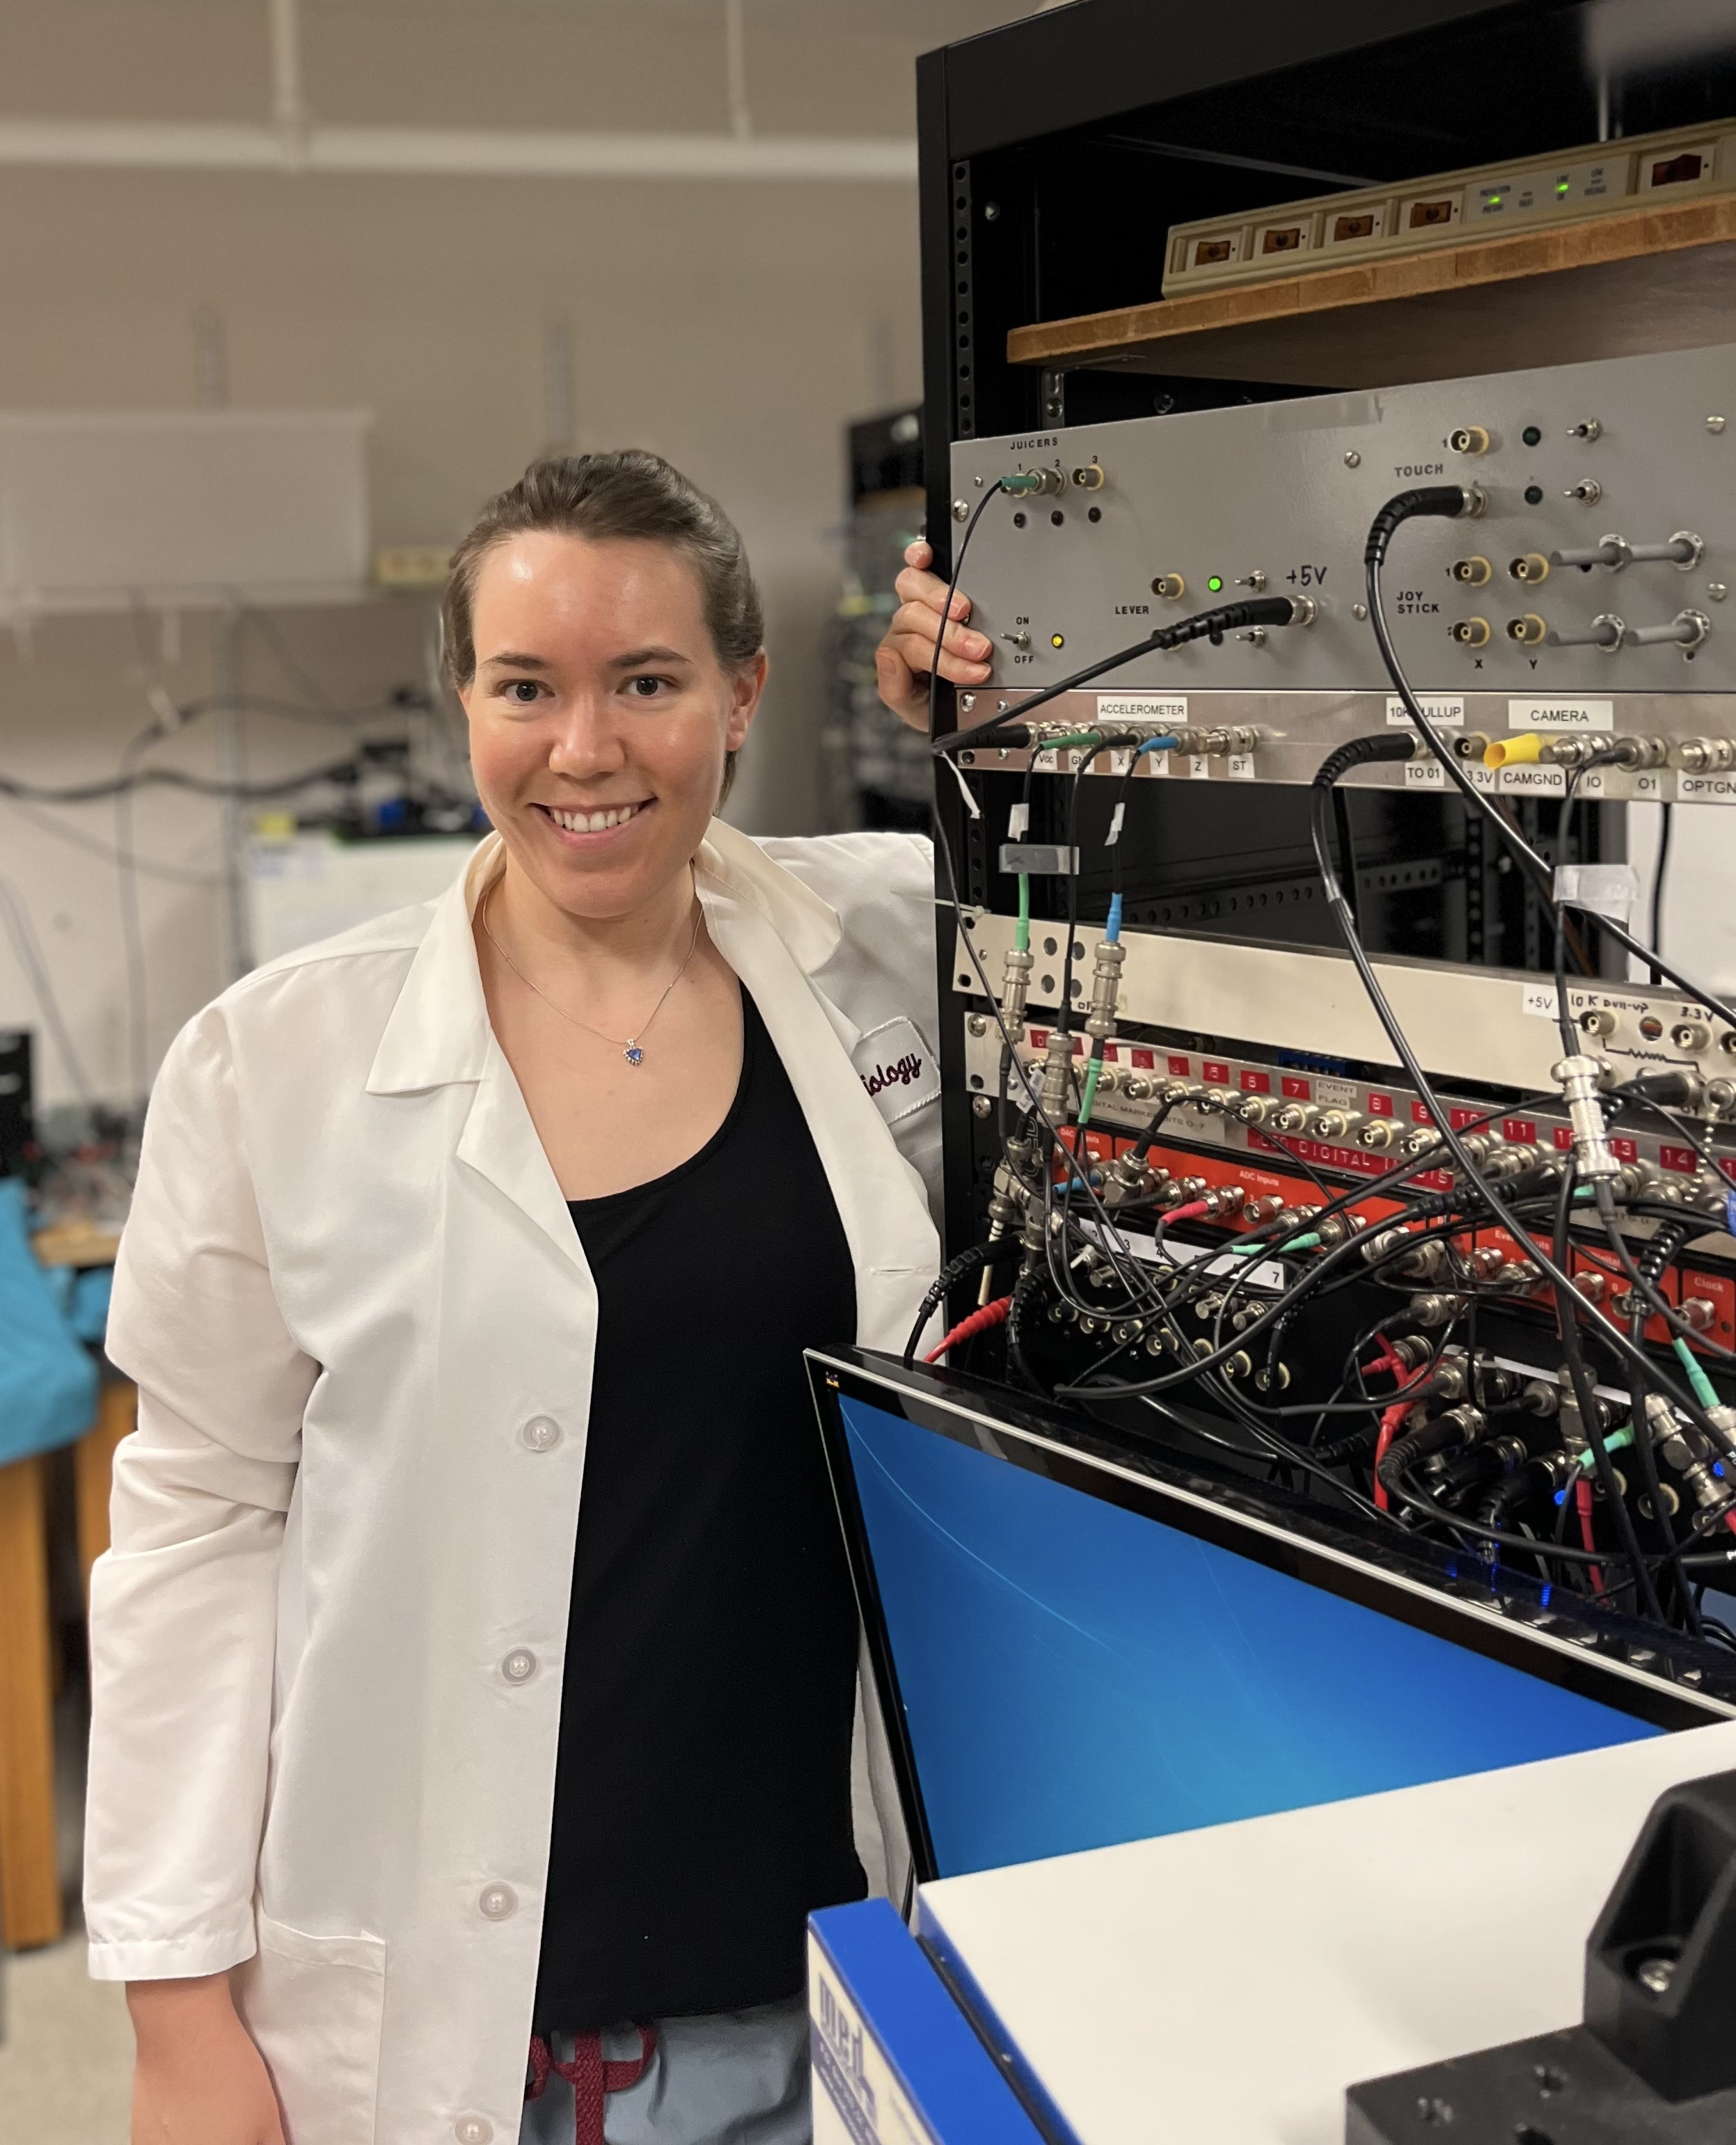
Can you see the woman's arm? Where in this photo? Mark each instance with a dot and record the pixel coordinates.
(183, 1607)
(199, 2080)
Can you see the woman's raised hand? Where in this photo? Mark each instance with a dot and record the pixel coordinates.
(906, 654)
(198, 2079)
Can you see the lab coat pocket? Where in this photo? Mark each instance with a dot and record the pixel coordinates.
(315, 2005)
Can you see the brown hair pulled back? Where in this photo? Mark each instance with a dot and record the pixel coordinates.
(628, 494)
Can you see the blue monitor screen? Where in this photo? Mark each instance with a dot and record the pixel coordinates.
(1074, 1674)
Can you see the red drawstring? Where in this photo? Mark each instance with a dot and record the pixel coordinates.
(590, 2077)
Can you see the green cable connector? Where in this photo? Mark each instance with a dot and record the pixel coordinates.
(1617, 1441)
(1704, 1392)
(1070, 741)
(1021, 482)
(1308, 1243)
(1022, 929)
(1094, 1066)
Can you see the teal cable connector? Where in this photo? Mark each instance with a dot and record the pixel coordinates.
(1617, 1441)
(1704, 1392)
(1022, 929)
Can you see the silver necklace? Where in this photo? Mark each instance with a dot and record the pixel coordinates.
(632, 1049)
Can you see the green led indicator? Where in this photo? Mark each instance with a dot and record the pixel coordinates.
(1215, 583)
(1563, 186)
(1495, 199)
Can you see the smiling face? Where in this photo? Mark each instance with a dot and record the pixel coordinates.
(599, 715)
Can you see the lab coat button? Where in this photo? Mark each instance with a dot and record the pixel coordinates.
(473, 2130)
(542, 1433)
(498, 1902)
(520, 1665)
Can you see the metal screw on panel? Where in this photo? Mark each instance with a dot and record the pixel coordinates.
(1716, 591)
(990, 211)
(966, 701)
(977, 1023)
(1715, 424)
(1655, 1974)
(981, 1105)
(1359, 611)
(1352, 459)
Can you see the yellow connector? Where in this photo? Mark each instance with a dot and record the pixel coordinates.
(1521, 751)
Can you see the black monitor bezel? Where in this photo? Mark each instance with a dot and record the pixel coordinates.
(1502, 1616)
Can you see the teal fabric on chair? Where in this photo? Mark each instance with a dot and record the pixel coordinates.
(48, 1379)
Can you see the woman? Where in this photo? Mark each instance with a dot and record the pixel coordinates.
(403, 1752)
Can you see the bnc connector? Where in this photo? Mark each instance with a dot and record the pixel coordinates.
(1014, 984)
(1704, 756)
(1567, 751)
(1106, 985)
(1427, 1261)
(1057, 1074)
(1129, 1176)
(1579, 1077)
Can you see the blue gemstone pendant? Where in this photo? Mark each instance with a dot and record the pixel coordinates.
(633, 1054)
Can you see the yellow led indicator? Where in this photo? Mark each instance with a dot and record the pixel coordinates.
(1057, 640)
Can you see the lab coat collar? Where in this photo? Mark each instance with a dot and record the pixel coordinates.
(438, 1030)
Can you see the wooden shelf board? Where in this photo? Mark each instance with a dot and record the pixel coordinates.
(1647, 280)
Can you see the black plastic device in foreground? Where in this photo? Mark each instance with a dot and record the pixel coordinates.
(1078, 1639)
(1654, 2063)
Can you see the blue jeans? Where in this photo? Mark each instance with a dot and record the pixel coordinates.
(732, 2077)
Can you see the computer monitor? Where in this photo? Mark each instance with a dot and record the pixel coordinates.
(1077, 1641)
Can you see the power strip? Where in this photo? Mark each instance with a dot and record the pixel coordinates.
(1331, 230)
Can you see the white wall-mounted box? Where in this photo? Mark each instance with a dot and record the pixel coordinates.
(102, 509)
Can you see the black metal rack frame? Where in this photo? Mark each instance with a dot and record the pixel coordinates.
(1055, 155)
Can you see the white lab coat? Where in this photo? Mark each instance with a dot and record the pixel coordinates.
(362, 1327)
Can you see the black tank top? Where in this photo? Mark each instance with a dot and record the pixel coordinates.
(702, 1798)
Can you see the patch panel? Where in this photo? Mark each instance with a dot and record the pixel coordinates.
(1585, 597)
(1490, 1027)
